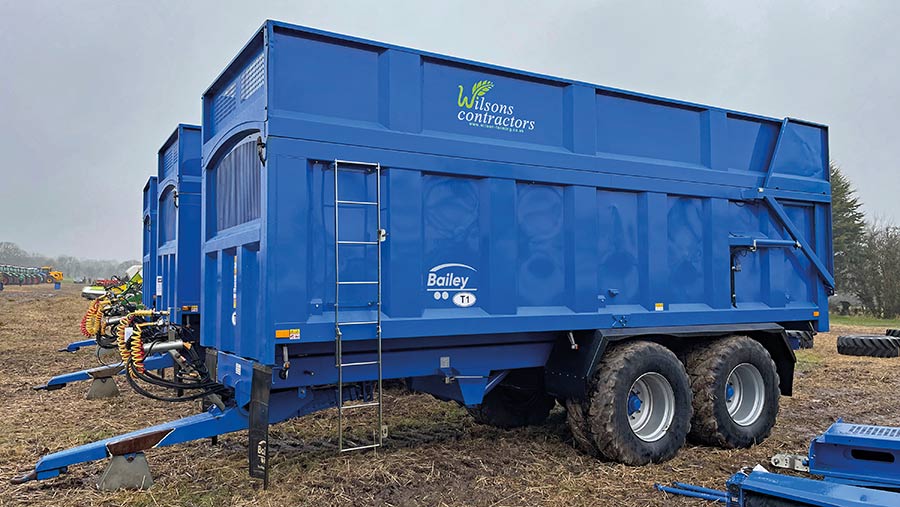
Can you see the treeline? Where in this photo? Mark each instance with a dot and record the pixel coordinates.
(866, 252)
(72, 267)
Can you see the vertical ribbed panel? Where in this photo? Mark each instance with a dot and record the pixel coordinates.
(238, 186)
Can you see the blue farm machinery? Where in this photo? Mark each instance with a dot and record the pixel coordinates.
(167, 305)
(499, 239)
(859, 466)
(149, 241)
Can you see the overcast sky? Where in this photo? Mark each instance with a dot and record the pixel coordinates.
(89, 90)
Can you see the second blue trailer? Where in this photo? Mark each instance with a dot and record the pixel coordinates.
(149, 242)
(177, 284)
(501, 239)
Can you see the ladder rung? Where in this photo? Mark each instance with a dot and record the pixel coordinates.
(366, 282)
(360, 447)
(345, 242)
(360, 363)
(360, 405)
(353, 162)
(358, 323)
(360, 203)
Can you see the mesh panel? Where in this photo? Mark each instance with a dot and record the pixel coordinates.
(167, 217)
(223, 104)
(244, 86)
(170, 159)
(252, 78)
(237, 186)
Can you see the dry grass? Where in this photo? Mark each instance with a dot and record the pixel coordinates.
(437, 456)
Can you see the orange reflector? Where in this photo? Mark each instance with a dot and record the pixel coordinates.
(186, 308)
(282, 333)
(815, 314)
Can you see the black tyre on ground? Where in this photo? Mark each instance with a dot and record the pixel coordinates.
(639, 407)
(576, 417)
(893, 332)
(519, 400)
(804, 338)
(736, 392)
(868, 345)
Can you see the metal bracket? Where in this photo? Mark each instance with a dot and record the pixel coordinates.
(258, 444)
(795, 462)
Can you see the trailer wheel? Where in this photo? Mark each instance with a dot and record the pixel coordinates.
(640, 405)
(735, 386)
(576, 417)
(868, 345)
(519, 400)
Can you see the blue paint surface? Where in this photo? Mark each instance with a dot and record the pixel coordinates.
(550, 205)
(178, 231)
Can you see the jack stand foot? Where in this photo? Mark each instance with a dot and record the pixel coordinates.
(129, 471)
(102, 388)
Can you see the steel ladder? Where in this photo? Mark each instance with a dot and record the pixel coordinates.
(376, 399)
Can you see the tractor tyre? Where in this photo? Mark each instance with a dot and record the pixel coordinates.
(868, 345)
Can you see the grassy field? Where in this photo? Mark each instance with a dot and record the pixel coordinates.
(861, 320)
(436, 454)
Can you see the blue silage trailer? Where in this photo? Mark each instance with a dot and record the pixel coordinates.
(498, 238)
(177, 285)
(149, 242)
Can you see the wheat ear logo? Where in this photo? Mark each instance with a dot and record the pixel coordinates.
(478, 90)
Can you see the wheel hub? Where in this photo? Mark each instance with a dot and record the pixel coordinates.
(634, 403)
(650, 406)
(745, 394)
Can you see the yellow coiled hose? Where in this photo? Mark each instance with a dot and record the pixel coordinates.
(92, 322)
(132, 349)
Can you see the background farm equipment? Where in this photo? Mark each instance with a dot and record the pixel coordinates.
(19, 275)
(175, 288)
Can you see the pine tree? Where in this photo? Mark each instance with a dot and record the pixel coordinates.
(849, 227)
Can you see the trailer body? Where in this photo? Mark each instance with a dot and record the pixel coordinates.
(149, 242)
(177, 284)
(517, 207)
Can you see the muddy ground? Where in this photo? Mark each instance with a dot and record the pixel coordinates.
(437, 455)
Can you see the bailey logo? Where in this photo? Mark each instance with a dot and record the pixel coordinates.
(477, 111)
(452, 277)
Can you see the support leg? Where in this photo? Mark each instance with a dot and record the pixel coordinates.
(129, 471)
(102, 387)
(205, 425)
(155, 362)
